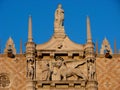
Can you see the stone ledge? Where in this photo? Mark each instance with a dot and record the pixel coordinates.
(61, 84)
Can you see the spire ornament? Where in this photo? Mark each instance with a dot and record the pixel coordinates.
(105, 47)
(30, 53)
(89, 38)
(30, 39)
(10, 46)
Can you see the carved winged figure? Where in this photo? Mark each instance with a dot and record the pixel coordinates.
(66, 71)
(70, 71)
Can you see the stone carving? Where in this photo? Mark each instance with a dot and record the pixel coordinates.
(30, 71)
(63, 72)
(66, 72)
(57, 69)
(59, 17)
(91, 70)
(49, 71)
(46, 72)
(105, 48)
(4, 80)
(10, 47)
(107, 54)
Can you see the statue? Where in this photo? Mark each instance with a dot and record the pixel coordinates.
(91, 71)
(59, 17)
(30, 72)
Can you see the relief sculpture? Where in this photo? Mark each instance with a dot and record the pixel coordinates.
(58, 70)
(46, 72)
(4, 80)
(66, 71)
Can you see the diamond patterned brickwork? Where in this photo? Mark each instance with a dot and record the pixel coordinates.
(16, 70)
(108, 73)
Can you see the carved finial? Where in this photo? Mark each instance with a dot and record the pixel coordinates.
(10, 45)
(105, 41)
(30, 39)
(105, 46)
(21, 46)
(89, 38)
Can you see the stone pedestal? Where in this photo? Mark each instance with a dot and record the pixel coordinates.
(59, 33)
(92, 85)
(31, 85)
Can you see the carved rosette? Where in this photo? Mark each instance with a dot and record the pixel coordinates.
(4, 80)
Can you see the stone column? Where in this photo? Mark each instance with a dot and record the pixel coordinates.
(31, 85)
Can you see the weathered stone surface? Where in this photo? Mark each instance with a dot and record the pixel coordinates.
(59, 64)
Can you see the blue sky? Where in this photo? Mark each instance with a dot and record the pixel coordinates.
(104, 19)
